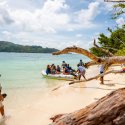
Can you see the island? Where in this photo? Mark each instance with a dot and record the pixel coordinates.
(12, 47)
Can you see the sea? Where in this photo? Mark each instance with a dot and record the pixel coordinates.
(23, 70)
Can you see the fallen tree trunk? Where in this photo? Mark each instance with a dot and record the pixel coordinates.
(109, 110)
(95, 60)
(96, 77)
(92, 78)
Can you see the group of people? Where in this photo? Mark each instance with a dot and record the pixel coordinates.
(66, 69)
(2, 96)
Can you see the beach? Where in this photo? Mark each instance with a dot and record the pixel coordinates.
(46, 46)
(30, 106)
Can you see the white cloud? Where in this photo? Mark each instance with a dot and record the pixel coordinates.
(53, 16)
(48, 24)
(47, 19)
(86, 16)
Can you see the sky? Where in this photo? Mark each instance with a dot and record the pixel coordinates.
(55, 23)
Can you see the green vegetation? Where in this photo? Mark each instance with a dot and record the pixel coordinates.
(114, 43)
(119, 9)
(11, 47)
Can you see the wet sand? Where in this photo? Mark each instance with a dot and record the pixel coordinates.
(30, 106)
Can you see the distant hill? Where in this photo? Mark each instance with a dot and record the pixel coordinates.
(11, 47)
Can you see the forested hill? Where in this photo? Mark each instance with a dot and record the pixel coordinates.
(11, 47)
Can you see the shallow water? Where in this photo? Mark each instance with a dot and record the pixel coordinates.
(20, 70)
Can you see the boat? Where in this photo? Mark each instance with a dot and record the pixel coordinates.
(60, 76)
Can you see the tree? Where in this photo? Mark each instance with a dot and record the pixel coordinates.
(113, 43)
(119, 9)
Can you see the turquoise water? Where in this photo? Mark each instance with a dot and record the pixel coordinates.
(21, 70)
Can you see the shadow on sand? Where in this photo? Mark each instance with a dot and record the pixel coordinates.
(92, 88)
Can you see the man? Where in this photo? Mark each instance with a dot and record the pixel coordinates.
(81, 71)
(81, 63)
(101, 72)
(64, 64)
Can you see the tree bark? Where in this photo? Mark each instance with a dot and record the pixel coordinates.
(96, 77)
(95, 60)
(79, 51)
(109, 110)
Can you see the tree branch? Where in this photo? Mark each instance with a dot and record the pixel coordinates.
(80, 51)
(108, 61)
(103, 50)
(96, 77)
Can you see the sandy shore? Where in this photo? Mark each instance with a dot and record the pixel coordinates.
(32, 107)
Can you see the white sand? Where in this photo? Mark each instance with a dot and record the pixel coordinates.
(32, 107)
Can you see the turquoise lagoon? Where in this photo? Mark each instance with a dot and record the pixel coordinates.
(23, 70)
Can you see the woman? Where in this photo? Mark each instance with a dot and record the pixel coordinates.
(53, 69)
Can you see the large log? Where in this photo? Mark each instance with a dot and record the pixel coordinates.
(95, 60)
(109, 110)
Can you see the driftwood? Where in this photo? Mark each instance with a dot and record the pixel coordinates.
(109, 110)
(96, 77)
(89, 79)
(95, 60)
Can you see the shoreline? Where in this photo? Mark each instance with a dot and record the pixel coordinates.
(32, 106)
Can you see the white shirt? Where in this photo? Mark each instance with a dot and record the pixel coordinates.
(102, 68)
(81, 68)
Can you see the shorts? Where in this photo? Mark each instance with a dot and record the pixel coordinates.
(82, 73)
